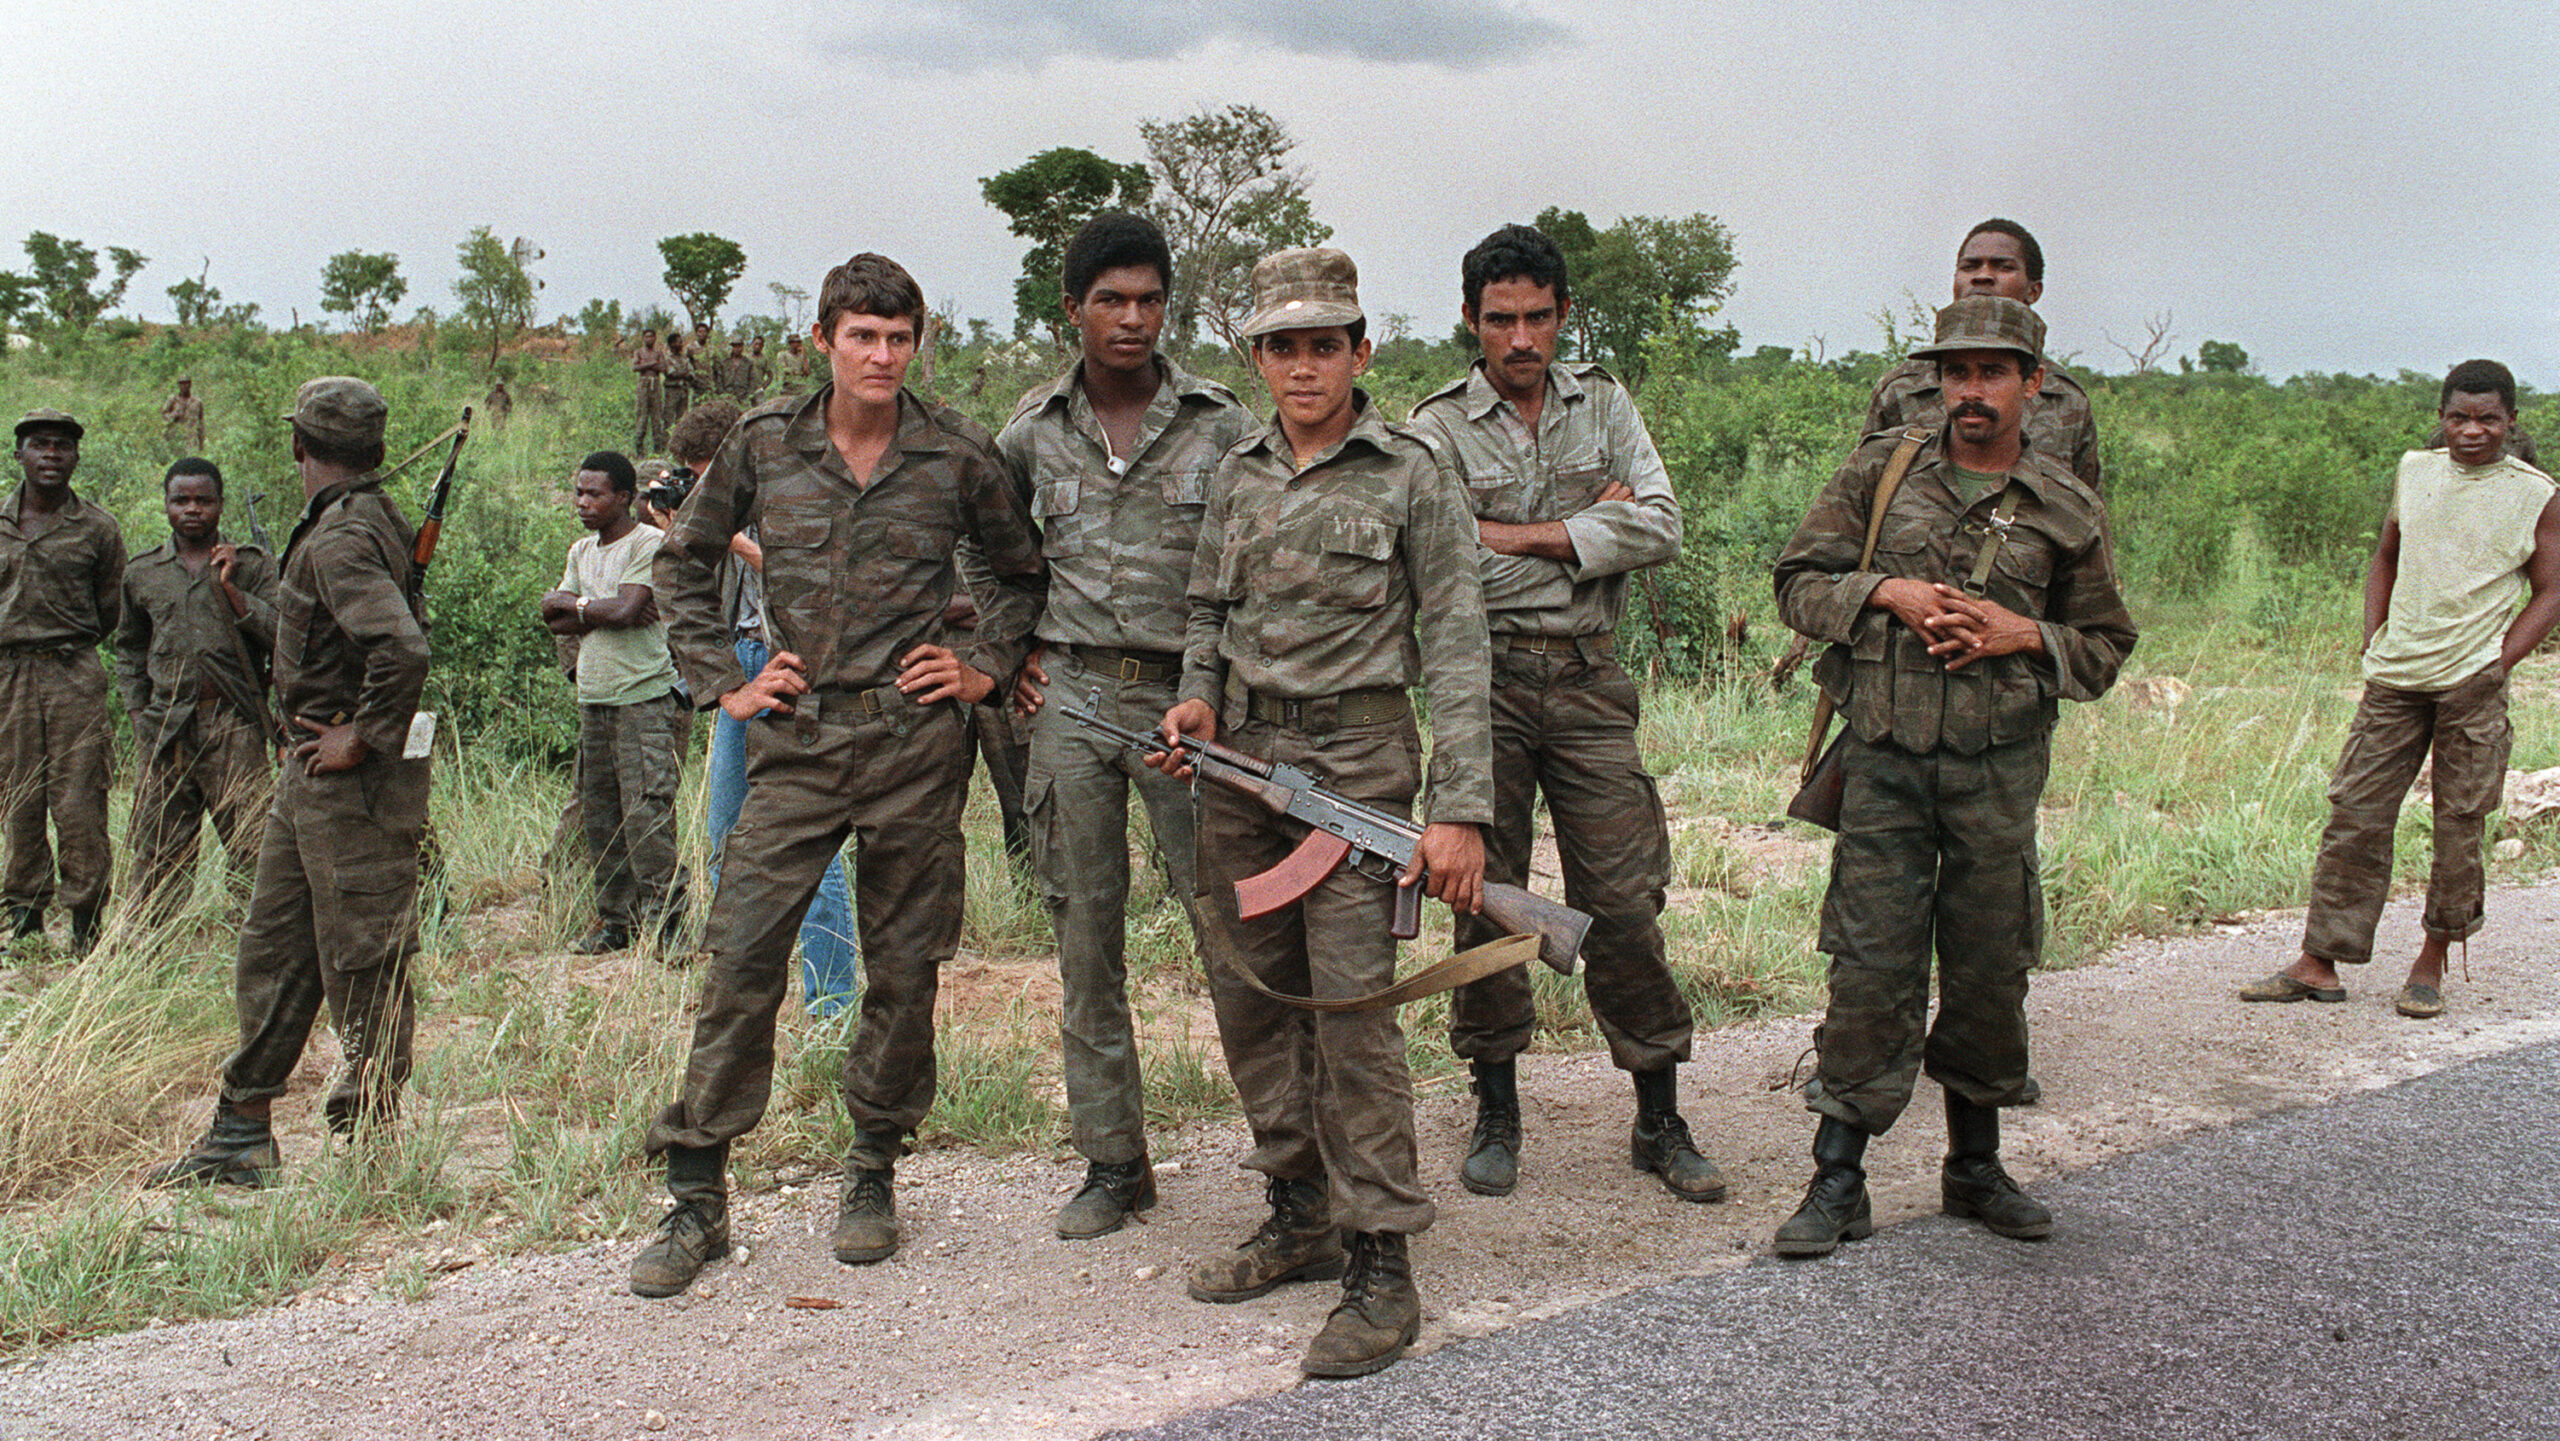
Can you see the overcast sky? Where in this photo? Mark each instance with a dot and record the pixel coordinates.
(2340, 186)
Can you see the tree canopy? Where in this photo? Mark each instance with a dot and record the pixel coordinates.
(1045, 200)
(1226, 196)
(1645, 278)
(702, 268)
(495, 291)
(64, 276)
(362, 286)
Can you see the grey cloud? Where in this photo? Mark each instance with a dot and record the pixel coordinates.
(964, 35)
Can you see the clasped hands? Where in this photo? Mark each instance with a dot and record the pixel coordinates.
(1960, 628)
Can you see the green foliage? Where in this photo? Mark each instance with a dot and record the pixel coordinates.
(1045, 200)
(495, 291)
(1226, 196)
(702, 268)
(1644, 278)
(2221, 357)
(64, 275)
(363, 286)
(601, 319)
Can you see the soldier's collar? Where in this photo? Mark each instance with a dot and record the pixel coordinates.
(1481, 397)
(806, 431)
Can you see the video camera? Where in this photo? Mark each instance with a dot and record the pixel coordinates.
(668, 491)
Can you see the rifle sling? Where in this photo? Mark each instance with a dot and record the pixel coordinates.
(1886, 487)
(1467, 965)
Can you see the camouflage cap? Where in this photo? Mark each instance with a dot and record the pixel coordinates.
(42, 418)
(340, 411)
(1303, 290)
(1987, 322)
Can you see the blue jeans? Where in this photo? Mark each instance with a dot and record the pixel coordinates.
(829, 955)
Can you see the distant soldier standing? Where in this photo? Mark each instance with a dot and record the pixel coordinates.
(333, 916)
(1114, 461)
(630, 716)
(61, 591)
(182, 418)
(1337, 567)
(1991, 598)
(737, 374)
(1998, 257)
(192, 651)
(861, 494)
(1570, 497)
(2472, 528)
(649, 365)
(688, 377)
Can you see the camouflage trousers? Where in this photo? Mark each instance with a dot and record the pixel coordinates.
(2393, 732)
(892, 777)
(630, 758)
(1004, 746)
(649, 401)
(1328, 1096)
(56, 760)
(1077, 803)
(1936, 852)
(1567, 726)
(333, 918)
(218, 763)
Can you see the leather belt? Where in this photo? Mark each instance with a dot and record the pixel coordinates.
(1330, 712)
(1143, 666)
(1598, 643)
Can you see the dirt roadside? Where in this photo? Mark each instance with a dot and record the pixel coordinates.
(985, 1325)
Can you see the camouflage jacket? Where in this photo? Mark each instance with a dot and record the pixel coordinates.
(62, 588)
(1359, 571)
(2056, 569)
(2058, 421)
(1119, 547)
(178, 642)
(1588, 435)
(351, 629)
(855, 576)
(739, 378)
(184, 413)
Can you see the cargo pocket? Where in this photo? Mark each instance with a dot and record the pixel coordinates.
(367, 912)
(1354, 573)
(1055, 503)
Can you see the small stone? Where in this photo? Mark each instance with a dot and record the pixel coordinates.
(2508, 849)
(655, 1420)
(1148, 1273)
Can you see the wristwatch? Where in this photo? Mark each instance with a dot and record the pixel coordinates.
(582, 607)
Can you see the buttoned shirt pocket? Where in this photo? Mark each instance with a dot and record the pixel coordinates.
(1188, 484)
(1359, 552)
(1497, 495)
(1054, 503)
(1578, 482)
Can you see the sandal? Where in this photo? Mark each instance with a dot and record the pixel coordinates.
(2281, 987)
(2419, 1003)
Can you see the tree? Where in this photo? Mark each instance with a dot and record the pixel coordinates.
(495, 291)
(1226, 197)
(2222, 357)
(701, 269)
(196, 299)
(601, 319)
(1046, 199)
(62, 273)
(1646, 278)
(362, 287)
(792, 304)
(2155, 344)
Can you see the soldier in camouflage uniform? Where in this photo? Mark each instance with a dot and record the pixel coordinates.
(649, 366)
(688, 378)
(1992, 597)
(1997, 257)
(861, 493)
(182, 417)
(61, 576)
(1338, 565)
(333, 916)
(199, 617)
(1114, 461)
(737, 375)
(1570, 497)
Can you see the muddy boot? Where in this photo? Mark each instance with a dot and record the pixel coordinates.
(1973, 1185)
(24, 922)
(351, 1116)
(1113, 1191)
(236, 1150)
(1298, 1243)
(1660, 1141)
(867, 1220)
(695, 1231)
(605, 939)
(1835, 1205)
(84, 930)
(1379, 1315)
(1492, 1166)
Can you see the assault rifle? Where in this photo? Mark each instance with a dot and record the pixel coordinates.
(432, 529)
(1374, 843)
(258, 529)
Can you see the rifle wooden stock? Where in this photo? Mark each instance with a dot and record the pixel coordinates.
(1559, 928)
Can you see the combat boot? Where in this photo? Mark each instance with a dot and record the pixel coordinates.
(236, 1150)
(605, 939)
(23, 921)
(1492, 1166)
(1974, 1186)
(1835, 1206)
(1380, 1313)
(84, 930)
(867, 1219)
(1660, 1141)
(1112, 1192)
(695, 1231)
(1298, 1243)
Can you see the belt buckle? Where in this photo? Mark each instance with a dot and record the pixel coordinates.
(871, 703)
(1293, 714)
(1132, 669)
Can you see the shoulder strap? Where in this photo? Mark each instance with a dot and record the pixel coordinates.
(1877, 504)
(1446, 975)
